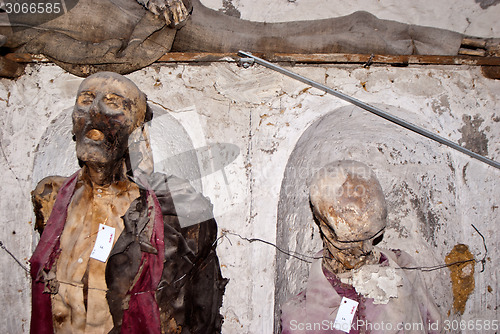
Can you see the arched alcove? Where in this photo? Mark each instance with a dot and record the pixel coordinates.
(424, 183)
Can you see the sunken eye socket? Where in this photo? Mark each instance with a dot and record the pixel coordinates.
(115, 101)
(85, 98)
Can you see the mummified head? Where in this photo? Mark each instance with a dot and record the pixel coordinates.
(108, 108)
(348, 204)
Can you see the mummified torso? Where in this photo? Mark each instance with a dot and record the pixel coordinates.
(80, 303)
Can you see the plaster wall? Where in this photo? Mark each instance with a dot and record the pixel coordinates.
(279, 124)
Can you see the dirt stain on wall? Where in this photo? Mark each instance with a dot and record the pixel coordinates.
(487, 3)
(473, 138)
(460, 261)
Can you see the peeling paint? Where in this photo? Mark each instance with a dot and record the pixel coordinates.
(441, 105)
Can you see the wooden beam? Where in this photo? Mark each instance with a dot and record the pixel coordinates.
(317, 58)
(336, 58)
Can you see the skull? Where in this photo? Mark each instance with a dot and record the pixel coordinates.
(349, 206)
(108, 108)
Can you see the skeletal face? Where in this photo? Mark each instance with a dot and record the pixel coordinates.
(349, 206)
(108, 108)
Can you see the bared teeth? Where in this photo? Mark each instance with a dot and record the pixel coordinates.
(95, 135)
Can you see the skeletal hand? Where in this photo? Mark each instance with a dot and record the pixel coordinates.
(174, 11)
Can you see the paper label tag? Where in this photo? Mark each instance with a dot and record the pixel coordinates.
(103, 243)
(345, 314)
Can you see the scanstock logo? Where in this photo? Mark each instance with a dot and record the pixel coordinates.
(23, 14)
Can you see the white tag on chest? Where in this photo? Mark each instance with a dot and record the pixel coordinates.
(103, 243)
(345, 314)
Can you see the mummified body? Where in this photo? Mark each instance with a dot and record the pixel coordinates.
(84, 40)
(350, 209)
(160, 275)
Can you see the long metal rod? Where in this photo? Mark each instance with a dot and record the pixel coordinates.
(371, 109)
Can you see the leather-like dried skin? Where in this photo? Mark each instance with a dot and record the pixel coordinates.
(43, 198)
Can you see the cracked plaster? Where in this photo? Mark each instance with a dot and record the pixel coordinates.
(278, 123)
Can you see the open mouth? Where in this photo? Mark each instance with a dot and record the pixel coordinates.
(95, 135)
